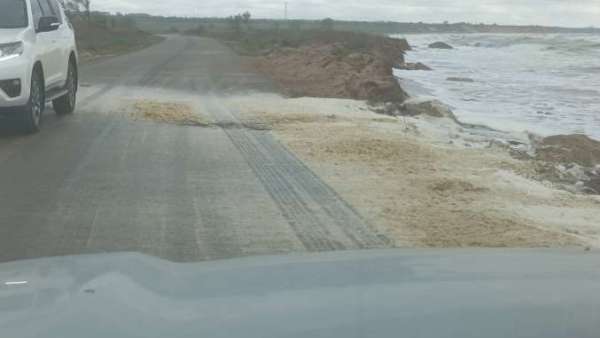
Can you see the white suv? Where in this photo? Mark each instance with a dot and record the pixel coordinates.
(38, 60)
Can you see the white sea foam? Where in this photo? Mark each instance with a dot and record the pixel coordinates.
(544, 83)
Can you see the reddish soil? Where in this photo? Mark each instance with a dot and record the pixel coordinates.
(326, 69)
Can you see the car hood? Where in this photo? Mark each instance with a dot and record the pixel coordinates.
(398, 293)
(11, 35)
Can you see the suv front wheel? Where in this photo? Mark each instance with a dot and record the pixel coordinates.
(31, 116)
(66, 103)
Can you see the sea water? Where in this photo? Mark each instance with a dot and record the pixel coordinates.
(542, 83)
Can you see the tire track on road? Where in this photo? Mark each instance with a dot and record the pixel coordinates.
(338, 210)
(321, 219)
(307, 227)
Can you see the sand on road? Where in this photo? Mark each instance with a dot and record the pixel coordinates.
(421, 180)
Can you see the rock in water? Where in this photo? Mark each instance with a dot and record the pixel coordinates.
(440, 45)
(412, 66)
(460, 79)
(566, 149)
(593, 186)
(434, 108)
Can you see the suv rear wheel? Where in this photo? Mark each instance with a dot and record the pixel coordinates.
(31, 116)
(66, 103)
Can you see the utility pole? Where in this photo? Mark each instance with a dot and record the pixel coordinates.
(285, 11)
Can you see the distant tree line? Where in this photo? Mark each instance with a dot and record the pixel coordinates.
(81, 9)
(162, 23)
(78, 6)
(240, 22)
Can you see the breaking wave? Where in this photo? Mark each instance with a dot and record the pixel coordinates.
(572, 43)
(545, 83)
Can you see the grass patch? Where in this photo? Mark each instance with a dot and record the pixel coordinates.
(96, 39)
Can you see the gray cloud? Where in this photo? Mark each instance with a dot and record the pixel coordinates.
(575, 13)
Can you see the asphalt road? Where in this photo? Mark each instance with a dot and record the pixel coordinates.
(97, 182)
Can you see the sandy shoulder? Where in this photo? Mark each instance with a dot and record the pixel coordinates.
(425, 181)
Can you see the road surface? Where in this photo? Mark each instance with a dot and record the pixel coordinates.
(97, 182)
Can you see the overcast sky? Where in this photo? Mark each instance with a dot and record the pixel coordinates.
(575, 13)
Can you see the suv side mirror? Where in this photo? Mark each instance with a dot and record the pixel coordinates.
(48, 24)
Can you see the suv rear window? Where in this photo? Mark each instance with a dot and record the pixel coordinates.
(13, 14)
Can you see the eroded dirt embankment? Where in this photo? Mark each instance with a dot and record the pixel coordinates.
(339, 69)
